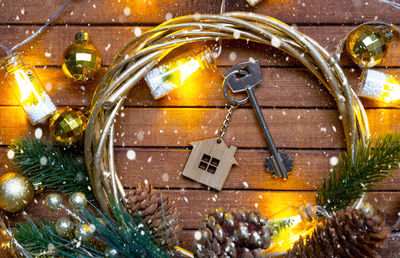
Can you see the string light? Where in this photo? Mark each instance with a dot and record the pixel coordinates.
(379, 86)
(28, 89)
(172, 75)
(24, 81)
(293, 223)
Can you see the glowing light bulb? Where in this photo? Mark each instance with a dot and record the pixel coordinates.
(289, 225)
(28, 89)
(379, 86)
(172, 75)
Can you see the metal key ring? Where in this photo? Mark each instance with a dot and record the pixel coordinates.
(232, 101)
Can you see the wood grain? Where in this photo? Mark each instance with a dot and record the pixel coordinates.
(49, 47)
(309, 128)
(289, 87)
(163, 169)
(156, 11)
(193, 205)
(299, 111)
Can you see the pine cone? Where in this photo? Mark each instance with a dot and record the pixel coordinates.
(151, 205)
(236, 233)
(348, 233)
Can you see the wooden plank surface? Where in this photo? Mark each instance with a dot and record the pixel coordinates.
(300, 113)
(52, 44)
(156, 11)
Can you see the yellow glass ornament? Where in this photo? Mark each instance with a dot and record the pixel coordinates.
(16, 192)
(68, 126)
(367, 45)
(82, 60)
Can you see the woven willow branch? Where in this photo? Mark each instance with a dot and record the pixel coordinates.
(144, 52)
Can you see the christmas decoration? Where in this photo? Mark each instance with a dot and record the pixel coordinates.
(82, 60)
(121, 234)
(139, 56)
(28, 89)
(157, 211)
(289, 224)
(53, 167)
(77, 201)
(347, 233)
(253, 2)
(84, 232)
(68, 126)
(167, 77)
(367, 44)
(24, 81)
(379, 86)
(16, 192)
(244, 77)
(209, 162)
(349, 181)
(53, 201)
(63, 227)
(233, 233)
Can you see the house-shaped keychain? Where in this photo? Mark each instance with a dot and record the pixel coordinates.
(209, 162)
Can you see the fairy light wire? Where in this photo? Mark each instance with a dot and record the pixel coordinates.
(30, 38)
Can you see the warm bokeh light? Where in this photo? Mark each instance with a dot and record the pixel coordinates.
(28, 89)
(379, 86)
(175, 73)
(296, 227)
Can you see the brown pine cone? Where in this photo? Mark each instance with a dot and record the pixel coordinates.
(235, 233)
(348, 233)
(151, 205)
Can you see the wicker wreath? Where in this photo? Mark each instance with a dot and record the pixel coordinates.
(144, 52)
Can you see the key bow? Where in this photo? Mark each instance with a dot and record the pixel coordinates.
(243, 75)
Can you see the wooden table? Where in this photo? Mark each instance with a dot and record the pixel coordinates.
(301, 114)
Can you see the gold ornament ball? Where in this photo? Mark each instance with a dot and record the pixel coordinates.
(53, 201)
(367, 45)
(16, 192)
(68, 126)
(82, 60)
(367, 208)
(78, 201)
(63, 227)
(84, 232)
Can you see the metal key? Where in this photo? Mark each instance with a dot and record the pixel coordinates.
(244, 77)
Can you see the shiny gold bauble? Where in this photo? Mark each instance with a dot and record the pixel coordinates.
(367, 45)
(367, 208)
(82, 59)
(68, 126)
(16, 192)
(84, 232)
(78, 201)
(63, 227)
(53, 201)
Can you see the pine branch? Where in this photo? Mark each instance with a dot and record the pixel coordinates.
(50, 165)
(277, 225)
(37, 237)
(371, 165)
(124, 233)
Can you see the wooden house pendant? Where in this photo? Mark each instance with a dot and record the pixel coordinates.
(209, 162)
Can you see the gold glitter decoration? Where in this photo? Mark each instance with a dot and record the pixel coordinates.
(16, 192)
(82, 59)
(367, 45)
(68, 125)
(64, 227)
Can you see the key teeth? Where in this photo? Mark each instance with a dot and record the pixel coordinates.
(287, 162)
